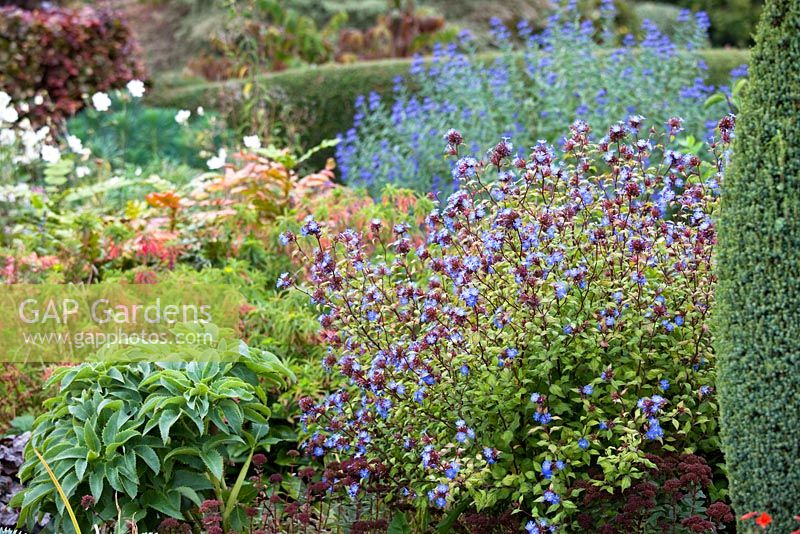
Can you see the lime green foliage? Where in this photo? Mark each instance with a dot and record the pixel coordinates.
(324, 96)
(759, 279)
(153, 439)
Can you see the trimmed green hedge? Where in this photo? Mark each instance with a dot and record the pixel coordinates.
(758, 330)
(326, 93)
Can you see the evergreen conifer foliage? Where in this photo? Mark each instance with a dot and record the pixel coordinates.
(758, 295)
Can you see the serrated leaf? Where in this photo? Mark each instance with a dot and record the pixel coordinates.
(96, 483)
(213, 462)
(168, 418)
(149, 456)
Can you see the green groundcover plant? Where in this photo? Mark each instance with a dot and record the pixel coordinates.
(550, 332)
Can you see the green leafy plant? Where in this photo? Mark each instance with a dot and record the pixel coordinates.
(147, 440)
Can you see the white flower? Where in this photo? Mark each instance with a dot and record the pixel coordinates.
(136, 88)
(182, 116)
(41, 133)
(5, 99)
(38, 100)
(29, 138)
(9, 115)
(252, 142)
(50, 154)
(7, 137)
(101, 101)
(218, 161)
(75, 144)
(138, 171)
(82, 171)
(201, 111)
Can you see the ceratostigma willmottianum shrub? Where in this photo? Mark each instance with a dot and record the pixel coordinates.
(554, 322)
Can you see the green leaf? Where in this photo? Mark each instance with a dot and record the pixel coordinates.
(233, 414)
(149, 456)
(716, 98)
(190, 494)
(112, 474)
(96, 483)
(80, 468)
(168, 418)
(399, 524)
(213, 461)
(162, 503)
(120, 439)
(90, 436)
(445, 526)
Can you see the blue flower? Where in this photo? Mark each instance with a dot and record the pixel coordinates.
(547, 469)
(540, 526)
(654, 430)
(651, 405)
(583, 443)
(551, 497)
(472, 263)
(470, 296)
(311, 227)
(561, 290)
(438, 496)
(664, 384)
(452, 470)
(639, 278)
(542, 418)
(463, 432)
(464, 168)
(284, 281)
(490, 455)
(587, 389)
